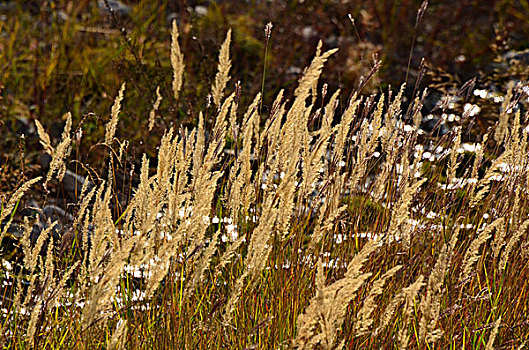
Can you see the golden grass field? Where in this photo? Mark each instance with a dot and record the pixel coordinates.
(326, 222)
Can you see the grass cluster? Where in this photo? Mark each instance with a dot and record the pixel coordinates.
(326, 224)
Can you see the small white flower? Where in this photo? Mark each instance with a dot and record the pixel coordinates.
(232, 231)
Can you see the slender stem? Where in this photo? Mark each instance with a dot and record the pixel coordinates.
(264, 77)
(409, 56)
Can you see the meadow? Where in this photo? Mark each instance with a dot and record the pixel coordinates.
(321, 220)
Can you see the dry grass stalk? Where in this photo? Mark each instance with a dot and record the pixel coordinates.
(234, 125)
(389, 312)
(390, 137)
(309, 322)
(329, 110)
(177, 62)
(52, 290)
(273, 124)
(287, 201)
(325, 224)
(31, 253)
(199, 146)
(332, 208)
(152, 114)
(364, 320)
(229, 254)
(430, 305)
(328, 212)
(314, 160)
(492, 172)
(114, 115)
(241, 189)
(180, 193)
(500, 236)
(164, 170)
(493, 334)
(82, 219)
(314, 165)
(152, 195)
(222, 77)
(167, 221)
(32, 325)
(453, 164)
(117, 341)
(102, 222)
(381, 182)
(514, 140)
(409, 294)
(294, 135)
(202, 264)
(472, 254)
(501, 129)
(58, 154)
(367, 142)
(295, 138)
(138, 213)
(102, 274)
(390, 122)
(323, 318)
(99, 302)
(8, 208)
(32, 260)
(342, 131)
(311, 75)
(258, 252)
(19, 295)
(522, 229)
(44, 138)
(478, 162)
(399, 225)
(185, 206)
(417, 106)
(518, 159)
(203, 195)
(218, 137)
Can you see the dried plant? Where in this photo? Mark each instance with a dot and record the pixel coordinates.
(152, 114)
(58, 154)
(241, 190)
(323, 318)
(8, 208)
(177, 62)
(522, 229)
(472, 254)
(430, 304)
(114, 115)
(364, 317)
(409, 294)
(493, 334)
(222, 77)
(453, 163)
(266, 244)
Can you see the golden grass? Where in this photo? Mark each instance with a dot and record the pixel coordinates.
(222, 77)
(177, 62)
(114, 117)
(277, 276)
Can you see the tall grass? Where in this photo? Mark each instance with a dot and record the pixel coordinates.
(311, 234)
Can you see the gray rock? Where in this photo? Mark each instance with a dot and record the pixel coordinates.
(119, 8)
(435, 126)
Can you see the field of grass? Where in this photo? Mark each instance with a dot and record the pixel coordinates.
(322, 220)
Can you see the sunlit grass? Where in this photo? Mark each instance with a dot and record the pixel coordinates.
(298, 227)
